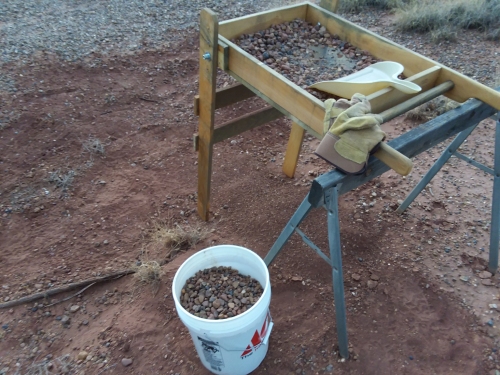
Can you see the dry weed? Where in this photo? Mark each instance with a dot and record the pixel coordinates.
(358, 5)
(60, 365)
(93, 146)
(450, 15)
(62, 180)
(148, 272)
(174, 237)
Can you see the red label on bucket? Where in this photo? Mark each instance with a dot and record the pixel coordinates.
(257, 338)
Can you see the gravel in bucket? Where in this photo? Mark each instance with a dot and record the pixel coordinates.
(219, 293)
(305, 53)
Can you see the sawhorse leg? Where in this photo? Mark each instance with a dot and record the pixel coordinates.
(453, 146)
(331, 203)
(495, 206)
(290, 227)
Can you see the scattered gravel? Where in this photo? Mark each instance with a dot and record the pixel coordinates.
(73, 30)
(219, 293)
(305, 53)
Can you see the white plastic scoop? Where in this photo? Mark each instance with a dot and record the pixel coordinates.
(369, 80)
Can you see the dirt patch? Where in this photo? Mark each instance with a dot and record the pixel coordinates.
(414, 307)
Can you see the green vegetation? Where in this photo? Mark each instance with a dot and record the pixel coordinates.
(442, 19)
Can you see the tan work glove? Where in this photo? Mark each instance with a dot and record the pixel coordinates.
(352, 135)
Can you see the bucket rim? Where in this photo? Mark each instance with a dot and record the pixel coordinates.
(221, 321)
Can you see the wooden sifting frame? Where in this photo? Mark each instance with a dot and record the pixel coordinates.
(286, 98)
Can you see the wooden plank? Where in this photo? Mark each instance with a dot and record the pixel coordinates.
(330, 5)
(242, 124)
(410, 144)
(293, 150)
(389, 97)
(226, 96)
(260, 21)
(246, 122)
(208, 74)
(302, 107)
(413, 62)
(223, 52)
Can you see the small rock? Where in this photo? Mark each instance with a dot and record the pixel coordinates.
(464, 278)
(74, 308)
(356, 277)
(374, 277)
(493, 306)
(296, 278)
(82, 356)
(126, 361)
(487, 282)
(485, 275)
(371, 284)
(490, 322)
(65, 319)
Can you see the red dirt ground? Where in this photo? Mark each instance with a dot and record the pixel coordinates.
(140, 108)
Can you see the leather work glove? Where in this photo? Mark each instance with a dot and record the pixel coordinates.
(353, 133)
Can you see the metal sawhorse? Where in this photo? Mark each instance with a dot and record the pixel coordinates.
(326, 189)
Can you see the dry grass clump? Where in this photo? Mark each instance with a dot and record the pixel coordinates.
(442, 19)
(431, 109)
(445, 18)
(358, 5)
(62, 180)
(60, 365)
(148, 272)
(175, 237)
(93, 146)
(163, 240)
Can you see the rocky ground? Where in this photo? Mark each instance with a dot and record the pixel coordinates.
(96, 155)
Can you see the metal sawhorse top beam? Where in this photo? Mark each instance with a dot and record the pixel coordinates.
(326, 189)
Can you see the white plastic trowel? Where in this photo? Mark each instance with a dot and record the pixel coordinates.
(369, 80)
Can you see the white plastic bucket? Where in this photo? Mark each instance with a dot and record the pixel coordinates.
(232, 346)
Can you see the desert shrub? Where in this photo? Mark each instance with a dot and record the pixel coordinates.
(93, 146)
(431, 16)
(358, 5)
(62, 180)
(442, 19)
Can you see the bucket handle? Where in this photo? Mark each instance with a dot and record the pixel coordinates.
(271, 325)
(264, 340)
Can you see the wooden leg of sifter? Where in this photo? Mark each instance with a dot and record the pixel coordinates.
(209, 30)
(293, 150)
